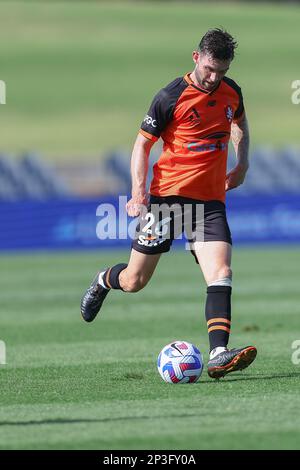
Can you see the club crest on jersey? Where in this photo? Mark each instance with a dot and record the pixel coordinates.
(229, 113)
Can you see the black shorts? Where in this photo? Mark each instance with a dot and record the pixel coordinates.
(200, 220)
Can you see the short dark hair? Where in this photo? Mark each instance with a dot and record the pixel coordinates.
(219, 44)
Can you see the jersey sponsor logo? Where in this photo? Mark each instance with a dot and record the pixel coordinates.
(229, 113)
(197, 147)
(150, 121)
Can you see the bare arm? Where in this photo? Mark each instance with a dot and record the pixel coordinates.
(139, 171)
(240, 142)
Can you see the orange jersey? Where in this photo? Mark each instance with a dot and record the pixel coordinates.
(194, 125)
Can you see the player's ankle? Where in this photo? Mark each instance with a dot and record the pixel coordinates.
(109, 279)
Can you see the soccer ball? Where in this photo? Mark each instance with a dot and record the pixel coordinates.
(180, 362)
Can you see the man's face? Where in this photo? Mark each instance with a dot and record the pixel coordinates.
(209, 71)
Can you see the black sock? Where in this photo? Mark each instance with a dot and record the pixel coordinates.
(111, 276)
(218, 315)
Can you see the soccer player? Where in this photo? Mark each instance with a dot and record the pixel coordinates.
(195, 116)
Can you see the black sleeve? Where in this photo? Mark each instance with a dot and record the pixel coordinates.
(240, 108)
(159, 114)
(161, 110)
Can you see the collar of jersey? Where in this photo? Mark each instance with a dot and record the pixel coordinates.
(190, 82)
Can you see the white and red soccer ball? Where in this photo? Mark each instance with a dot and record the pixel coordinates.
(180, 362)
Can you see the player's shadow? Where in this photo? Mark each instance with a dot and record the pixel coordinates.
(234, 378)
(88, 420)
(237, 377)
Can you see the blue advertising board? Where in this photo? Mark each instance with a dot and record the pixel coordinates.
(82, 223)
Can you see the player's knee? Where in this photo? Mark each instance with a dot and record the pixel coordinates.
(135, 283)
(222, 274)
(225, 272)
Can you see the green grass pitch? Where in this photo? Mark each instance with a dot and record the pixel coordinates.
(72, 385)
